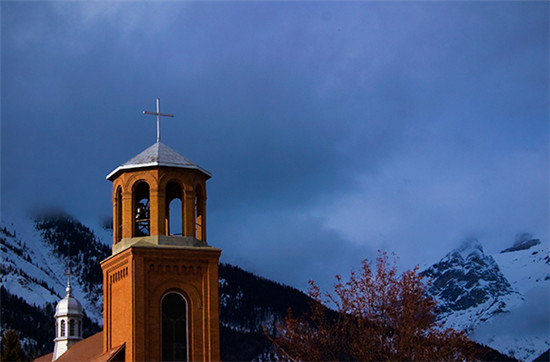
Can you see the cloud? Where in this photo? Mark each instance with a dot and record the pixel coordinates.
(433, 202)
(363, 125)
(287, 246)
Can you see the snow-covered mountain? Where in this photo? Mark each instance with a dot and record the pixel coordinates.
(35, 260)
(500, 300)
(34, 264)
(35, 256)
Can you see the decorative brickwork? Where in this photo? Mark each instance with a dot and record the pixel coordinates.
(175, 269)
(119, 275)
(191, 186)
(148, 264)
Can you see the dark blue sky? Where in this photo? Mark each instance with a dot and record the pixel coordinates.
(332, 129)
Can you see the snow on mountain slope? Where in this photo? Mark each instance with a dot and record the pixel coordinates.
(470, 287)
(524, 333)
(526, 269)
(103, 233)
(23, 272)
(34, 262)
(35, 259)
(499, 300)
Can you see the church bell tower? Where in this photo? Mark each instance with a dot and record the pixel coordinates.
(161, 282)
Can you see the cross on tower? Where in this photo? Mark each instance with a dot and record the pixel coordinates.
(158, 114)
(69, 274)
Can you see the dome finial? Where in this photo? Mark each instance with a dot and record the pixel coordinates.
(69, 273)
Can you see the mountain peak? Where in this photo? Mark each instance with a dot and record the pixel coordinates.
(523, 241)
(469, 247)
(466, 278)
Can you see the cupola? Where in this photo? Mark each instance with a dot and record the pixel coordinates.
(159, 198)
(68, 322)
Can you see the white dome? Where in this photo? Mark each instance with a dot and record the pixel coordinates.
(68, 305)
(68, 322)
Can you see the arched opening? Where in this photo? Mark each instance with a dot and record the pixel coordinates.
(141, 209)
(71, 327)
(174, 207)
(174, 327)
(175, 218)
(62, 328)
(199, 214)
(117, 227)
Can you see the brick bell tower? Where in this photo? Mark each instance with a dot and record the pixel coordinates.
(160, 285)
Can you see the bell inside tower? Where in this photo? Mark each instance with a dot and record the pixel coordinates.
(141, 208)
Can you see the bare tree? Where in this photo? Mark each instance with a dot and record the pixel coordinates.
(378, 315)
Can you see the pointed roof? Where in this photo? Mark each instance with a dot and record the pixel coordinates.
(158, 155)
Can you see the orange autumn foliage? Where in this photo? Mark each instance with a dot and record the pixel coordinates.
(379, 315)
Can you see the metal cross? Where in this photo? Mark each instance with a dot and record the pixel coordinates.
(158, 114)
(69, 273)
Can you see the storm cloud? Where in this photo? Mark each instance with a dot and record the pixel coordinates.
(331, 129)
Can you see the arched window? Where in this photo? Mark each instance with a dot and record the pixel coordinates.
(79, 330)
(57, 329)
(62, 328)
(174, 327)
(118, 215)
(175, 218)
(199, 214)
(174, 207)
(141, 209)
(71, 327)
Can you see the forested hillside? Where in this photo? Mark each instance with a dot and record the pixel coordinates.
(34, 268)
(35, 258)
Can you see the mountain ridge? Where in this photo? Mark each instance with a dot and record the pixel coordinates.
(487, 295)
(32, 275)
(472, 290)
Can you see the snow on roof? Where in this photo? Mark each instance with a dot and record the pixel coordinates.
(158, 155)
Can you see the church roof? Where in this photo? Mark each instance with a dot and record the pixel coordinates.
(158, 155)
(89, 349)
